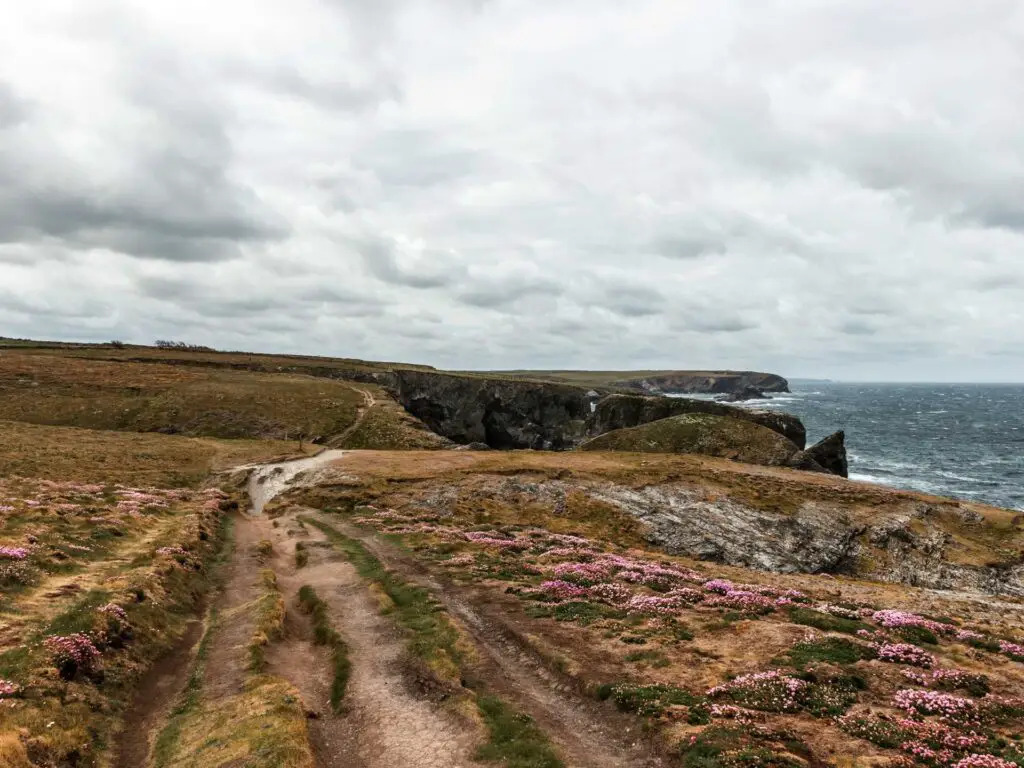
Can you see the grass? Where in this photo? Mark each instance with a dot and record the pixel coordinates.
(433, 638)
(647, 700)
(262, 727)
(71, 391)
(833, 650)
(170, 735)
(92, 456)
(702, 433)
(655, 659)
(324, 634)
(513, 738)
(301, 555)
(268, 622)
(825, 621)
(388, 427)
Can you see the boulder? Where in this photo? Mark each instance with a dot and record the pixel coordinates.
(829, 455)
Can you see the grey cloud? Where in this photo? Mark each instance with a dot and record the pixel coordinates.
(857, 328)
(505, 291)
(633, 300)
(430, 269)
(690, 246)
(13, 110)
(416, 158)
(346, 94)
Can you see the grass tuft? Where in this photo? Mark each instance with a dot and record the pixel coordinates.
(515, 739)
(324, 634)
(269, 623)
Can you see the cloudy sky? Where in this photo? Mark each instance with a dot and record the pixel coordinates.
(812, 187)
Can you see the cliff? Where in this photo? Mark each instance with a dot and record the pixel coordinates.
(501, 413)
(706, 382)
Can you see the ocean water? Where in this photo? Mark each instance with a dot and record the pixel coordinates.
(960, 440)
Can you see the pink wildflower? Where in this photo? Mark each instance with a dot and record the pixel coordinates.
(645, 605)
(905, 653)
(721, 586)
(984, 761)
(563, 590)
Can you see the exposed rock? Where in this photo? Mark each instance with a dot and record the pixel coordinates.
(705, 382)
(622, 411)
(501, 413)
(910, 546)
(701, 433)
(829, 455)
(748, 392)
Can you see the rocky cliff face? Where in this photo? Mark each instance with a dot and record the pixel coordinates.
(912, 545)
(500, 413)
(623, 411)
(707, 382)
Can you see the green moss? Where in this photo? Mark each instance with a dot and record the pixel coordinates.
(513, 738)
(825, 621)
(324, 634)
(835, 650)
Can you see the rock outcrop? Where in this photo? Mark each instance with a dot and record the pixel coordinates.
(500, 413)
(705, 382)
(748, 392)
(624, 411)
(913, 545)
(701, 433)
(829, 455)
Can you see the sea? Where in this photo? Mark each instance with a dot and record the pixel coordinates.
(965, 441)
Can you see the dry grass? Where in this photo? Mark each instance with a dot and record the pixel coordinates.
(263, 727)
(69, 391)
(93, 456)
(386, 426)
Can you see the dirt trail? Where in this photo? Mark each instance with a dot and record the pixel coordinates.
(385, 724)
(586, 734)
(369, 401)
(227, 660)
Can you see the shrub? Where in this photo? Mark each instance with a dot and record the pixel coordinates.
(647, 700)
(72, 654)
(767, 691)
(905, 653)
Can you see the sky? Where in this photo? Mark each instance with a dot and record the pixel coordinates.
(817, 188)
